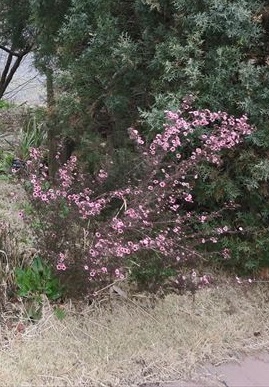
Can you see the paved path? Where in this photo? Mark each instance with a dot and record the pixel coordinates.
(248, 372)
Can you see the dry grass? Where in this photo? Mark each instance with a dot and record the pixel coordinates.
(130, 344)
(16, 237)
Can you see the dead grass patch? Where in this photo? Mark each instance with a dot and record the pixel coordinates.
(12, 200)
(129, 344)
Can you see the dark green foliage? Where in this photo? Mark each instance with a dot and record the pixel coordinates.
(243, 179)
(150, 271)
(16, 32)
(47, 17)
(121, 57)
(124, 63)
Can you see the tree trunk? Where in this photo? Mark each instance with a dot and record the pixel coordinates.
(52, 126)
(50, 87)
(54, 135)
(8, 72)
(9, 68)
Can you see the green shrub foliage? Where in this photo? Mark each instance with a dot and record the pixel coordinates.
(120, 57)
(120, 64)
(124, 63)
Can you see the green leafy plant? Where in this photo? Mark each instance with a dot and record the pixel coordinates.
(5, 104)
(59, 313)
(33, 134)
(6, 159)
(37, 279)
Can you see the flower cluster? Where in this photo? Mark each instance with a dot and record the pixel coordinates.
(152, 214)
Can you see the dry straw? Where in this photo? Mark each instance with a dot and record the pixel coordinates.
(128, 344)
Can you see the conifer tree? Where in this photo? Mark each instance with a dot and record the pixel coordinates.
(17, 38)
(122, 57)
(125, 62)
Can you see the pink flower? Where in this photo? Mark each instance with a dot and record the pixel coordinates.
(204, 280)
(226, 253)
(21, 214)
(117, 272)
(188, 198)
(102, 174)
(61, 266)
(61, 257)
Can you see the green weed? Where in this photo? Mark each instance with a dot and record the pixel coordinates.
(37, 279)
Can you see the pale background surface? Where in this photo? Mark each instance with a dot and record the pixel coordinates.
(27, 86)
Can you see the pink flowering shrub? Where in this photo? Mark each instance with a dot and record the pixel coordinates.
(100, 233)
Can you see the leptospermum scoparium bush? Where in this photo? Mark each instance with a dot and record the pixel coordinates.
(100, 231)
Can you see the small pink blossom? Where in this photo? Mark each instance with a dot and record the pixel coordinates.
(21, 214)
(188, 198)
(117, 272)
(61, 266)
